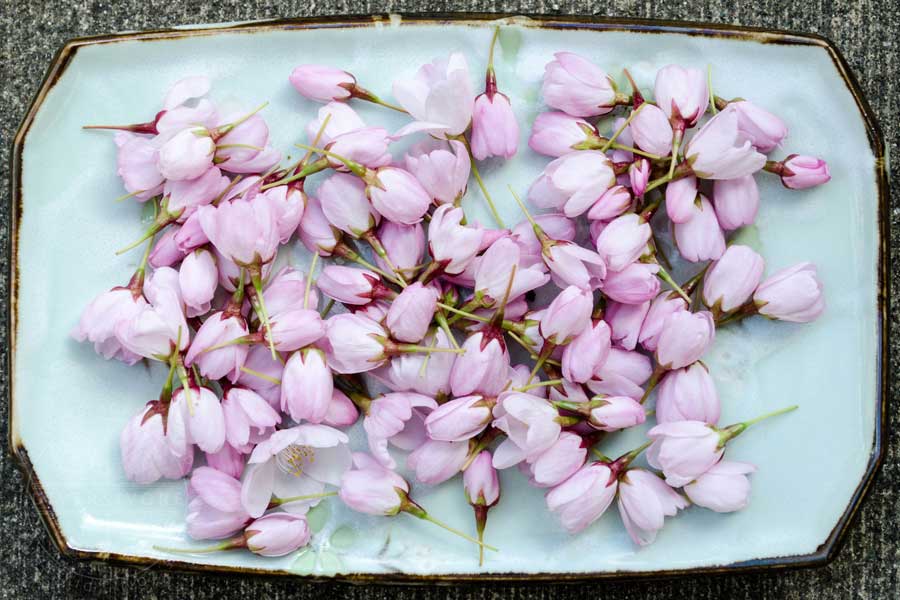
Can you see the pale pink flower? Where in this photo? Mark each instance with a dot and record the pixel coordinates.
(625, 321)
(724, 487)
(137, 160)
(586, 353)
(404, 244)
(480, 481)
(307, 386)
(681, 93)
(247, 416)
(439, 98)
(495, 269)
(459, 420)
(623, 241)
(345, 205)
(228, 460)
(644, 502)
(800, 172)
(155, 330)
(584, 497)
(684, 338)
(762, 128)
(634, 284)
(611, 204)
(351, 285)
(214, 506)
(341, 119)
(529, 423)
(288, 203)
(165, 251)
(367, 146)
(277, 534)
(721, 151)
(617, 412)
(286, 291)
(571, 264)
(243, 230)
(661, 307)
(227, 361)
(146, 454)
(700, 237)
(482, 367)
(688, 394)
(558, 228)
(452, 245)
(397, 195)
(731, 280)
(316, 231)
(736, 201)
(186, 155)
(575, 181)
(101, 318)
(443, 172)
(639, 176)
(684, 450)
(198, 279)
(341, 411)
(558, 462)
(293, 329)
(495, 131)
(681, 195)
(556, 133)
(576, 86)
(567, 315)
(405, 372)
(435, 462)
(651, 131)
(791, 294)
(354, 343)
(243, 148)
(322, 83)
(184, 196)
(397, 418)
(204, 420)
(190, 236)
(372, 489)
(411, 312)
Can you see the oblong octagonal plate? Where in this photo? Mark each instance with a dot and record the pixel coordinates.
(68, 405)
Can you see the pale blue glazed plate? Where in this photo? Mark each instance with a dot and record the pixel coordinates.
(68, 405)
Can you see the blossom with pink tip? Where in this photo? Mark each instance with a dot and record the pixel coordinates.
(530, 425)
(184, 196)
(681, 195)
(681, 93)
(617, 412)
(228, 460)
(145, 452)
(644, 502)
(762, 128)
(286, 291)
(799, 172)
(277, 534)
(155, 330)
(495, 269)
(688, 394)
(307, 386)
(736, 201)
(700, 237)
(558, 462)
(731, 280)
(721, 151)
(411, 313)
(451, 244)
(723, 488)
(567, 315)
(459, 419)
(586, 352)
(639, 176)
(684, 338)
(443, 172)
(425, 374)
(367, 146)
(226, 361)
(243, 230)
(495, 131)
(404, 244)
(165, 251)
(623, 241)
(372, 489)
(584, 497)
(660, 308)
(439, 97)
(137, 161)
(398, 196)
(614, 201)
(186, 155)
(577, 87)
(625, 322)
(204, 419)
(316, 231)
(792, 294)
(214, 507)
(345, 205)
(341, 411)
(354, 343)
(634, 284)
(683, 450)
(322, 83)
(198, 279)
(397, 418)
(293, 329)
(480, 481)
(190, 236)
(247, 415)
(575, 180)
(651, 131)
(435, 462)
(101, 318)
(350, 285)
(557, 133)
(571, 264)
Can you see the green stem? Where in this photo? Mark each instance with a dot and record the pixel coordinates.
(549, 382)
(427, 517)
(636, 151)
(356, 168)
(619, 131)
(537, 228)
(664, 275)
(676, 146)
(463, 313)
(237, 542)
(225, 129)
(546, 351)
(426, 349)
(327, 309)
(260, 306)
(712, 96)
(366, 95)
(477, 174)
(314, 167)
(263, 376)
(774, 413)
(379, 249)
(276, 501)
(491, 51)
(445, 327)
(309, 279)
(651, 384)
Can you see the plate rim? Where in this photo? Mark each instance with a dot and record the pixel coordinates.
(823, 555)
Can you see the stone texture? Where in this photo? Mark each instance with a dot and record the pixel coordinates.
(30, 32)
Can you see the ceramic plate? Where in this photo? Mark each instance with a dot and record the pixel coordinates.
(68, 405)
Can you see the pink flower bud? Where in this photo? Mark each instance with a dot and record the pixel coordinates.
(459, 420)
(316, 232)
(639, 176)
(556, 133)
(801, 172)
(721, 151)
(700, 237)
(661, 307)
(370, 488)
(625, 321)
(576, 86)
(397, 418)
(146, 456)
(688, 394)
(680, 197)
(435, 462)
(321, 83)
(227, 361)
(651, 130)
(411, 312)
(791, 294)
(480, 481)
(286, 290)
(306, 386)
(736, 201)
(367, 146)
(444, 173)
(102, 317)
(204, 419)
(495, 269)
(243, 230)
(634, 284)
(575, 180)
(341, 119)
(277, 534)
(405, 245)
(732, 279)
(557, 226)
(439, 97)
(405, 372)
(452, 243)
(630, 365)
(583, 497)
(259, 359)
(183, 197)
(495, 131)
(345, 205)
(724, 488)
(684, 450)
(644, 502)
(568, 315)
(341, 411)
(153, 331)
(571, 264)
(611, 204)
(354, 343)
(623, 241)
(186, 155)
(586, 353)
(227, 460)
(198, 279)
(191, 235)
(288, 204)
(350, 285)
(245, 410)
(617, 412)
(293, 329)
(137, 161)
(762, 128)
(205, 519)
(529, 423)
(398, 196)
(165, 251)
(684, 338)
(681, 93)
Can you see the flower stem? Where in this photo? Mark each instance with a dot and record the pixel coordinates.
(426, 349)
(263, 376)
(327, 309)
(445, 327)
(364, 94)
(774, 413)
(546, 351)
(712, 96)
(314, 167)
(732, 431)
(233, 543)
(357, 169)
(462, 313)
(531, 386)
(379, 249)
(653, 381)
(276, 501)
(225, 129)
(309, 279)
(619, 131)
(664, 275)
(636, 151)
(427, 517)
(537, 228)
(676, 145)
(477, 174)
(260, 306)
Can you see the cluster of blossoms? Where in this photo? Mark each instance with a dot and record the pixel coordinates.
(263, 381)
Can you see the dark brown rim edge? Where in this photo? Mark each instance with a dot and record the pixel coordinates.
(826, 552)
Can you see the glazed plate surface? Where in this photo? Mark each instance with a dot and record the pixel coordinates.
(69, 405)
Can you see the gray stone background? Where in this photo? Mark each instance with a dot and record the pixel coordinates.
(866, 32)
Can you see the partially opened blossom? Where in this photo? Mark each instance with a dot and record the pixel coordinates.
(571, 264)
(198, 279)
(482, 367)
(684, 450)
(583, 497)
(288, 203)
(307, 386)
(243, 230)
(293, 329)
(617, 412)
(345, 205)
(341, 410)
(214, 362)
(204, 419)
(145, 452)
(459, 419)
(575, 181)
(184, 196)
(243, 148)
(799, 172)
(644, 502)
(397, 195)
(731, 280)
(101, 318)
(621, 374)
(495, 269)
(354, 345)
(155, 330)
(435, 462)
(634, 284)
(214, 510)
(684, 338)
(439, 97)
(586, 352)
(557, 133)
(451, 244)
(340, 119)
(688, 394)
(576, 86)
(260, 361)
(322, 83)
(660, 308)
(614, 201)
(411, 313)
(765, 130)
(247, 415)
(558, 462)
(425, 374)
(228, 460)
(681, 93)
(186, 155)
(286, 291)
(530, 425)
(700, 237)
(137, 160)
(791, 294)
(724, 487)
(277, 534)
(372, 489)
(404, 244)
(397, 418)
(165, 251)
(351, 285)
(651, 131)
(639, 176)
(721, 151)
(367, 146)
(480, 481)
(625, 321)
(681, 195)
(736, 201)
(442, 170)
(623, 241)
(316, 231)
(495, 131)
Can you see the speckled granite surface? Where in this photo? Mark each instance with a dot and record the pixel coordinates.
(866, 31)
